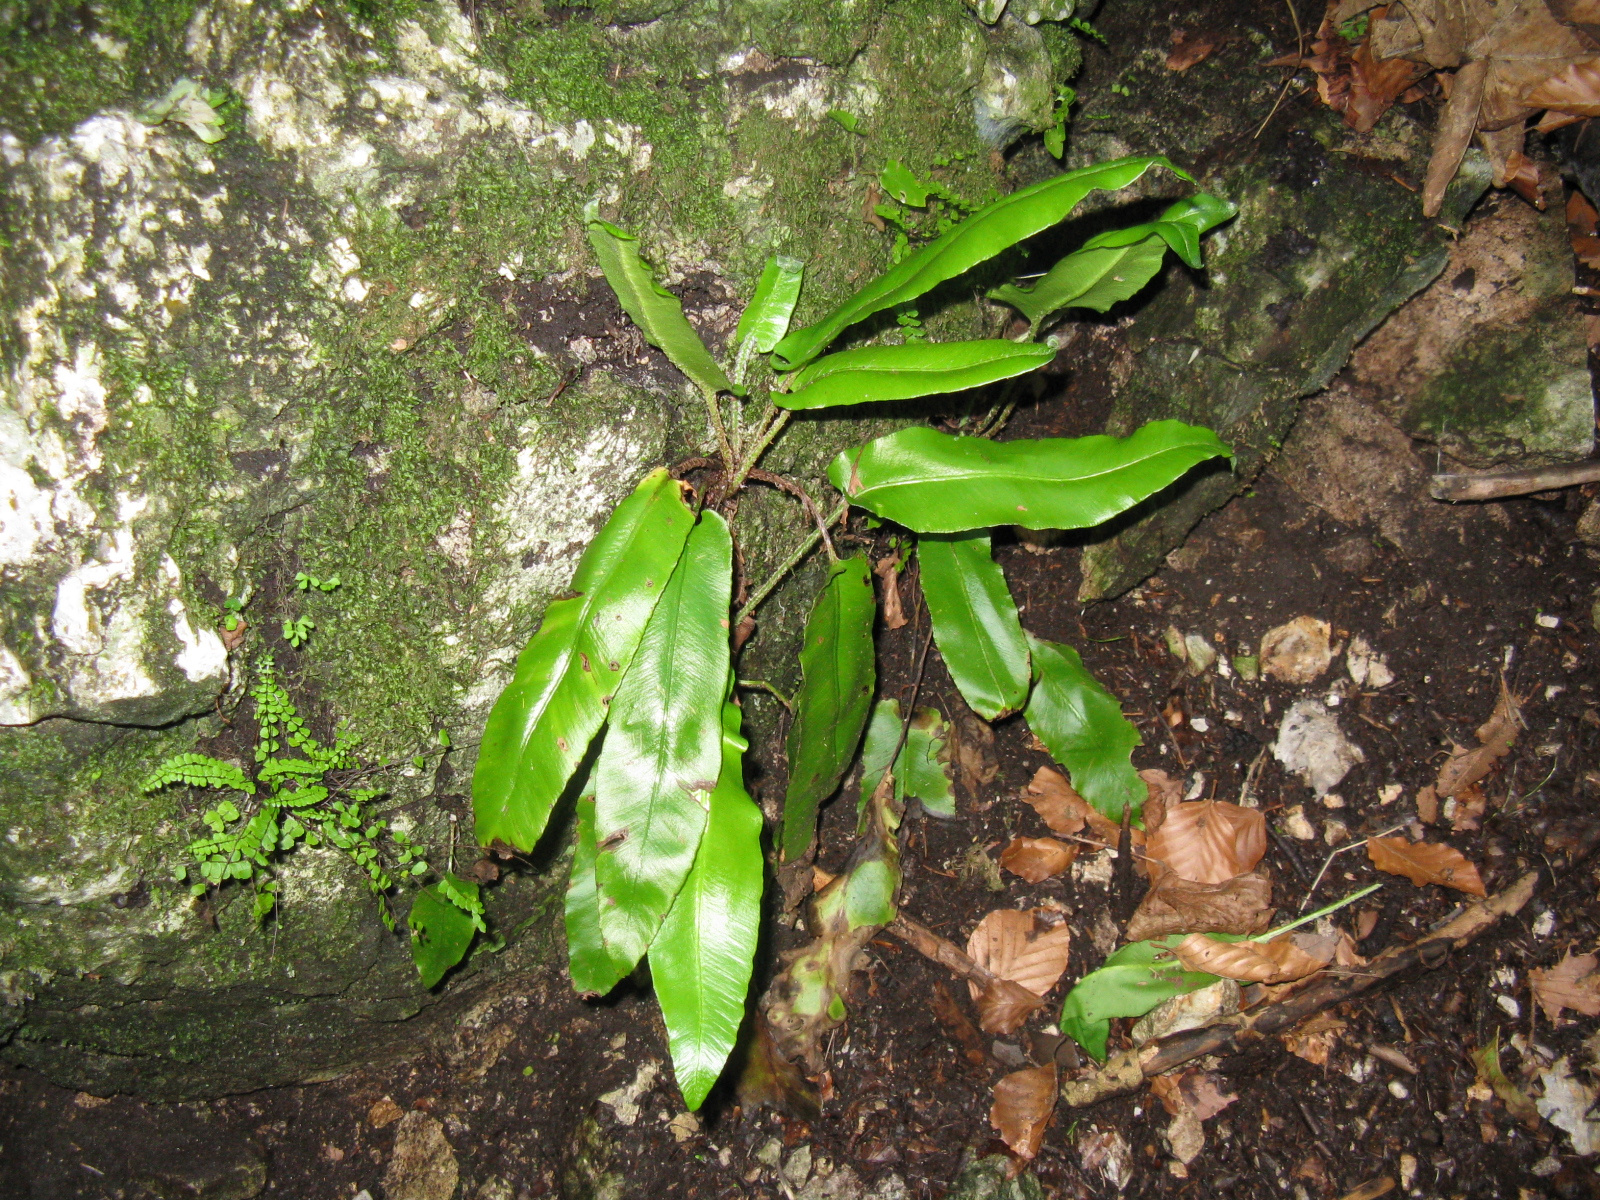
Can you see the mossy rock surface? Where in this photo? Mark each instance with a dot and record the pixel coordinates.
(1329, 240)
(364, 334)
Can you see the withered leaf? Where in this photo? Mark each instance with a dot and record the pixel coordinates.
(1023, 1103)
(1298, 651)
(1026, 947)
(1571, 983)
(1061, 808)
(1496, 737)
(1314, 1040)
(1003, 1006)
(1190, 48)
(1574, 90)
(1242, 904)
(973, 751)
(960, 1026)
(1471, 804)
(1205, 1093)
(1037, 859)
(1279, 961)
(888, 573)
(1208, 841)
(1424, 863)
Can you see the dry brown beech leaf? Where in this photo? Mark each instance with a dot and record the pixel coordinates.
(1023, 1103)
(1471, 804)
(1279, 961)
(1004, 1006)
(1571, 983)
(1425, 862)
(973, 754)
(1205, 1093)
(1037, 859)
(1574, 90)
(1496, 737)
(1242, 904)
(1208, 841)
(1027, 947)
(1059, 806)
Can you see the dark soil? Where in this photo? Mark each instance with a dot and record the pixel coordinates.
(908, 1091)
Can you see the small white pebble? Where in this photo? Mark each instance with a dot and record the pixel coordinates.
(1334, 700)
(1546, 621)
(1295, 823)
(1398, 1090)
(1505, 977)
(1408, 1162)
(1233, 715)
(1333, 800)
(1545, 925)
(1389, 793)
(1509, 1006)
(1200, 725)
(1553, 690)
(1336, 833)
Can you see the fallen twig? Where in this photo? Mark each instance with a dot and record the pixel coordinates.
(1126, 1072)
(1513, 483)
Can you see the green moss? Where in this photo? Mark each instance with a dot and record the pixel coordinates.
(56, 75)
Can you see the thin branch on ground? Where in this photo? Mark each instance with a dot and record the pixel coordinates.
(1513, 483)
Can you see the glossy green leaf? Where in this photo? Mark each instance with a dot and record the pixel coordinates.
(990, 230)
(592, 968)
(1180, 226)
(1115, 265)
(542, 724)
(975, 622)
(934, 482)
(663, 746)
(1082, 726)
(922, 771)
(440, 931)
(656, 311)
(906, 372)
(1132, 981)
(701, 959)
(766, 317)
(1094, 279)
(838, 672)
(900, 183)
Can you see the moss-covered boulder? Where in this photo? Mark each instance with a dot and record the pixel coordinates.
(1329, 240)
(362, 334)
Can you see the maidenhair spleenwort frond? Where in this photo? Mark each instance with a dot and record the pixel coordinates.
(198, 770)
(298, 805)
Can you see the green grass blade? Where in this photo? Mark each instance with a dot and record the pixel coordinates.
(766, 317)
(875, 373)
(988, 232)
(663, 747)
(542, 724)
(975, 622)
(934, 482)
(656, 311)
(1082, 726)
(836, 663)
(702, 957)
